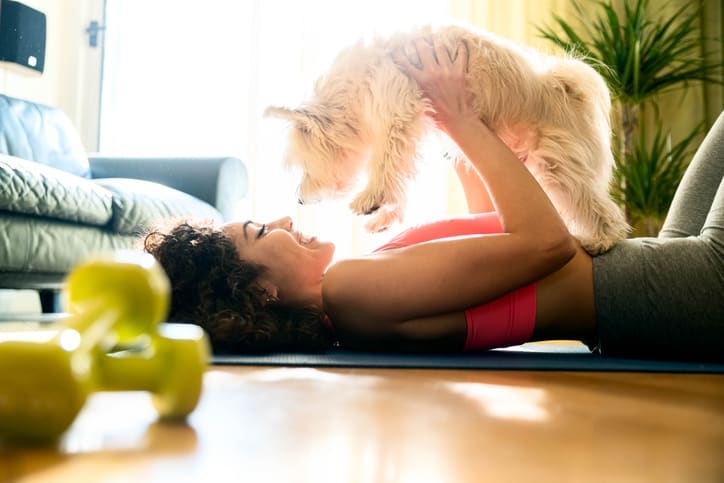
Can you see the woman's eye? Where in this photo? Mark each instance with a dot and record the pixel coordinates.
(262, 231)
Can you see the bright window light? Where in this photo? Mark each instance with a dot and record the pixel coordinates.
(190, 78)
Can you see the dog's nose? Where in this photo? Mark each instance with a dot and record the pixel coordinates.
(300, 201)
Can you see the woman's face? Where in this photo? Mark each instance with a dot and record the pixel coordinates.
(295, 262)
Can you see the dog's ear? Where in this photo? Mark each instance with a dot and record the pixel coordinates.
(286, 113)
(301, 117)
(281, 112)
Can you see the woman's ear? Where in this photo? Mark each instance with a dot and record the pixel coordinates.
(271, 291)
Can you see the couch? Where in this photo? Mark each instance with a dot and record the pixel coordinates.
(59, 205)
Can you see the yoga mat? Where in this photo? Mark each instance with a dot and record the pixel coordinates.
(528, 357)
(537, 356)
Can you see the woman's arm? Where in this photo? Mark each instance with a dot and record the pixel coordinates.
(382, 292)
(442, 333)
(509, 183)
(476, 194)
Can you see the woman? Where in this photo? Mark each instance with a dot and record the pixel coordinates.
(473, 283)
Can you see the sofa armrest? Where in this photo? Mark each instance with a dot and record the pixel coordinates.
(220, 181)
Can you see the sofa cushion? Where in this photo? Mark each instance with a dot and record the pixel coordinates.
(42, 134)
(34, 189)
(140, 205)
(42, 245)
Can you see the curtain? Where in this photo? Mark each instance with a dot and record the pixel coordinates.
(514, 19)
(712, 15)
(683, 109)
(183, 77)
(193, 78)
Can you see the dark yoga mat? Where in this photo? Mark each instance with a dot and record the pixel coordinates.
(544, 357)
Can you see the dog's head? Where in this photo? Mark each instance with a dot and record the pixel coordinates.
(321, 147)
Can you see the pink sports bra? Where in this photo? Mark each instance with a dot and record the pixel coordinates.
(475, 224)
(505, 321)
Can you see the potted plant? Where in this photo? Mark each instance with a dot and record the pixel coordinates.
(641, 54)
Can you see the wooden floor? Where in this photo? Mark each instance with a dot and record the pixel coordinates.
(384, 425)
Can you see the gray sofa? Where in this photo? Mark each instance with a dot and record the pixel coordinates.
(59, 205)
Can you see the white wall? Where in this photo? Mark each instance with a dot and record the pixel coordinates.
(70, 80)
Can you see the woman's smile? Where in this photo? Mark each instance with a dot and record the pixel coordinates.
(295, 262)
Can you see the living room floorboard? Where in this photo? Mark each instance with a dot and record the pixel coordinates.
(280, 424)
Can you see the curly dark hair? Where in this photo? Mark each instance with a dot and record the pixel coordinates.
(214, 288)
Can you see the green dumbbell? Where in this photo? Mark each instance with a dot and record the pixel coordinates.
(112, 340)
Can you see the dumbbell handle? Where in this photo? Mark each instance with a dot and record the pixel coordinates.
(170, 367)
(93, 322)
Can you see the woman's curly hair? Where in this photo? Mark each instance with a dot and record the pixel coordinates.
(214, 288)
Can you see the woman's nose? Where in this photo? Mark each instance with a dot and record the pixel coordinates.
(284, 223)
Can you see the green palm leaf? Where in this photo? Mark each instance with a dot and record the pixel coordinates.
(643, 56)
(648, 180)
(640, 53)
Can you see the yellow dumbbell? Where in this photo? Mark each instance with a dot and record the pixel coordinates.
(112, 340)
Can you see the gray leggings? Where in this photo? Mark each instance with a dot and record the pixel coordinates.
(664, 297)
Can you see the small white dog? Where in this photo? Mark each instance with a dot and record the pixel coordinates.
(367, 117)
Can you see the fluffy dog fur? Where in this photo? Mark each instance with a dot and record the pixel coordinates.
(367, 117)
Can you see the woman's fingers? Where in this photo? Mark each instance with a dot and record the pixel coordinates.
(461, 58)
(442, 54)
(432, 53)
(400, 58)
(425, 52)
(441, 77)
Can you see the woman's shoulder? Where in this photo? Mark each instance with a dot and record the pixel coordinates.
(348, 294)
(346, 280)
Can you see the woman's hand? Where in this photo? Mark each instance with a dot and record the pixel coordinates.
(442, 80)
(534, 230)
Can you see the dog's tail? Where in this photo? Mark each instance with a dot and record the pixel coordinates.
(576, 150)
(578, 84)
(579, 97)
(577, 178)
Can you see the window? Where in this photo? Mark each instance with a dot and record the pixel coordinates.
(191, 78)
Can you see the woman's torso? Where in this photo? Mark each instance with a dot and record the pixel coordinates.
(565, 306)
(564, 299)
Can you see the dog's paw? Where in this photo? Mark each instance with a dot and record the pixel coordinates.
(605, 235)
(603, 241)
(366, 203)
(382, 219)
(595, 246)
